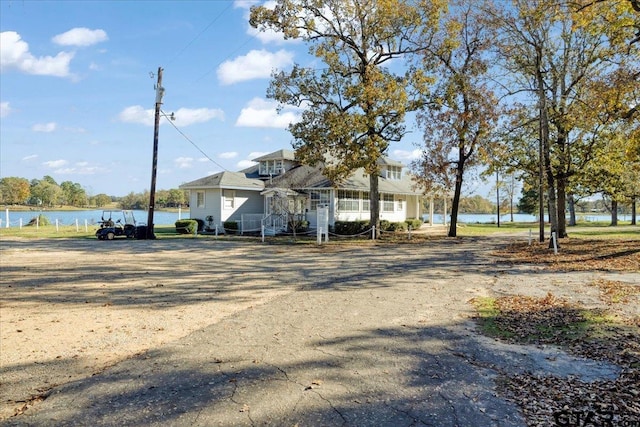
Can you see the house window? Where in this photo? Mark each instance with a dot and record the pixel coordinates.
(319, 198)
(271, 167)
(200, 199)
(394, 172)
(348, 201)
(387, 202)
(229, 199)
(366, 204)
(400, 205)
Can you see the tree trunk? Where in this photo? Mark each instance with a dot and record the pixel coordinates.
(374, 203)
(572, 211)
(562, 206)
(614, 213)
(633, 210)
(453, 225)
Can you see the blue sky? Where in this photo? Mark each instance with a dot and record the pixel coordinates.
(77, 91)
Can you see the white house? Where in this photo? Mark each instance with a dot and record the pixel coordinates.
(249, 196)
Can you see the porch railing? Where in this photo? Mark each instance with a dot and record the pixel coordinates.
(250, 223)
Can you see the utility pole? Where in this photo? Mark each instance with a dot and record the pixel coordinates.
(154, 163)
(498, 195)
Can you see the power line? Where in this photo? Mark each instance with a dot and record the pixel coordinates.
(181, 51)
(192, 143)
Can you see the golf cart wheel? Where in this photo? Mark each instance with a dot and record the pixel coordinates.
(110, 236)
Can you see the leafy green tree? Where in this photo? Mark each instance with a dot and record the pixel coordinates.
(176, 197)
(45, 191)
(354, 105)
(73, 194)
(101, 200)
(554, 53)
(458, 125)
(14, 190)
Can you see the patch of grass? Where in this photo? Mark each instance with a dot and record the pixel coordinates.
(547, 320)
(487, 313)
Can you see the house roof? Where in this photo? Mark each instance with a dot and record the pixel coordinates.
(233, 180)
(277, 155)
(302, 177)
(305, 177)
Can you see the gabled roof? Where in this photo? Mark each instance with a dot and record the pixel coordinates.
(231, 180)
(302, 177)
(277, 155)
(305, 177)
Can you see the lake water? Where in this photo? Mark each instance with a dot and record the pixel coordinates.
(492, 218)
(91, 216)
(169, 218)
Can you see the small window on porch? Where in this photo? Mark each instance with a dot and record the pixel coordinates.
(229, 199)
(200, 199)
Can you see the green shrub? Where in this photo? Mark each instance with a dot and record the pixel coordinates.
(186, 226)
(230, 226)
(350, 228)
(392, 226)
(414, 223)
(40, 219)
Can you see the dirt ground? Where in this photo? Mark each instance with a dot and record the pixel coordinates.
(71, 308)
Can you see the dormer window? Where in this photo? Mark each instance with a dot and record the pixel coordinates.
(271, 167)
(393, 172)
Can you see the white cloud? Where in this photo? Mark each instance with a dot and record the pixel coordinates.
(30, 157)
(44, 127)
(55, 163)
(189, 116)
(257, 64)
(203, 159)
(403, 155)
(80, 37)
(245, 4)
(5, 109)
(268, 36)
(228, 155)
(256, 154)
(80, 168)
(184, 162)
(15, 54)
(137, 114)
(183, 116)
(243, 164)
(263, 113)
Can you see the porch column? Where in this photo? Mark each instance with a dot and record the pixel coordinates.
(431, 211)
(444, 210)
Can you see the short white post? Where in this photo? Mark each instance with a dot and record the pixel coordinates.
(57, 225)
(409, 231)
(216, 230)
(262, 232)
(530, 236)
(86, 228)
(373, 233)
(77, 226)
(6, 216)
(179, 212)
(319, 236)
(20, 223)
(38, 223)
(555, 243)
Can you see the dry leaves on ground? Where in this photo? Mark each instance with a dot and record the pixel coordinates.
(594, 334)
(577, 255)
